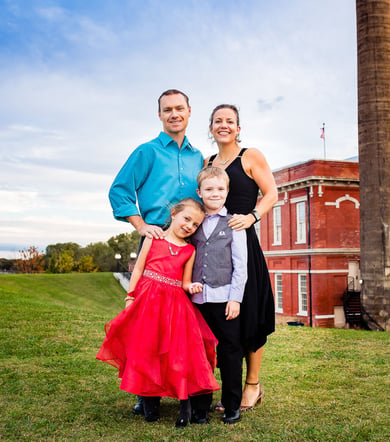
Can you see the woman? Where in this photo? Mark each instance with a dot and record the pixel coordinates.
(248, 171)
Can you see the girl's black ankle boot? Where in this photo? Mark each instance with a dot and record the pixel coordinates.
(184, 414)
(151, 408)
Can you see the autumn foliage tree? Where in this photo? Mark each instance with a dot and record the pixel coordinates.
(86, 264)
(31, 261)
(61, 257)
(71, 257)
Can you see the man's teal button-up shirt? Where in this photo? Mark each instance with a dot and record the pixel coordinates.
(157, 175)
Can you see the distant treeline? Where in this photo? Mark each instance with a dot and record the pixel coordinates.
(117, 254)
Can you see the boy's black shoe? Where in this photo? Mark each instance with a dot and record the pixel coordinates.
(199, 416)
(231, 416)
(152, 408)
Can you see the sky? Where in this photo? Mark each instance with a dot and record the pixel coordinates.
(79, 83)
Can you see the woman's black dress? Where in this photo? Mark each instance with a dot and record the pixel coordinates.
(257, 308)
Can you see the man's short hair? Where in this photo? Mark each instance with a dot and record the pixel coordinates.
(172, 92)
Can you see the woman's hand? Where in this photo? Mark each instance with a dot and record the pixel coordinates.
(241, 222)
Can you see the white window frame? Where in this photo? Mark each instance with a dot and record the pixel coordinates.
(301, 223)
(277, 219)
(302, 294)
(278, 279)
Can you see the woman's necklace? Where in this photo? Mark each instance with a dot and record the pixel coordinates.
(171, 251)
(223, 162)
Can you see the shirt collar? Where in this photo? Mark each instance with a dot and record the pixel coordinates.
(222, 212)
(166, 139)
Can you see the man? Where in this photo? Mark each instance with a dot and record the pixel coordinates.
(158, 174)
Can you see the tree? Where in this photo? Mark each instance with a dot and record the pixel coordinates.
(66, 261)
(62, 257)
(373, 44)
(8, 265)
(125, 244)
(102, 255)
(60, 247)
(32, 260)
(86, 264)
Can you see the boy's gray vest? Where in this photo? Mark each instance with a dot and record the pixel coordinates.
(213, 263)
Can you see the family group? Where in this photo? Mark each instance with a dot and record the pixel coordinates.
(199, 296)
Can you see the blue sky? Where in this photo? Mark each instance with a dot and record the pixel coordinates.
(79, 82)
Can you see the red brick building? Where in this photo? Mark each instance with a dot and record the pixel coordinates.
(311, 241)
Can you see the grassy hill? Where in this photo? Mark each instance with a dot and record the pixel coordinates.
(321, 384)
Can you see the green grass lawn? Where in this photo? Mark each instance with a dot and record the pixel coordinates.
(320, 384)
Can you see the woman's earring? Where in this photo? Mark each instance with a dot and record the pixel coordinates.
(210, 137)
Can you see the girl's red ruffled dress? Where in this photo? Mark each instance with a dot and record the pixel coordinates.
(161, 344)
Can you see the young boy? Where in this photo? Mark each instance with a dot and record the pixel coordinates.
(221, 267)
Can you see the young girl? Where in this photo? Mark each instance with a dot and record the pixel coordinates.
(160, 343)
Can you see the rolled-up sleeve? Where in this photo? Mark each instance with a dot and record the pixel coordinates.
(123, 191)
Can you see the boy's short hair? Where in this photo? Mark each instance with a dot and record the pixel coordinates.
(211, 172)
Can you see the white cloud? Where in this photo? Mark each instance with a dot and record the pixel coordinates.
(81, 92)
(52, 14)
(44, 231)
(18, 202)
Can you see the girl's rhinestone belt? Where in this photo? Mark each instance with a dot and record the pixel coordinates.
(162, 278)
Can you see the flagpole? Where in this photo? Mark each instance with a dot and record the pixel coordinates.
(323, 137)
